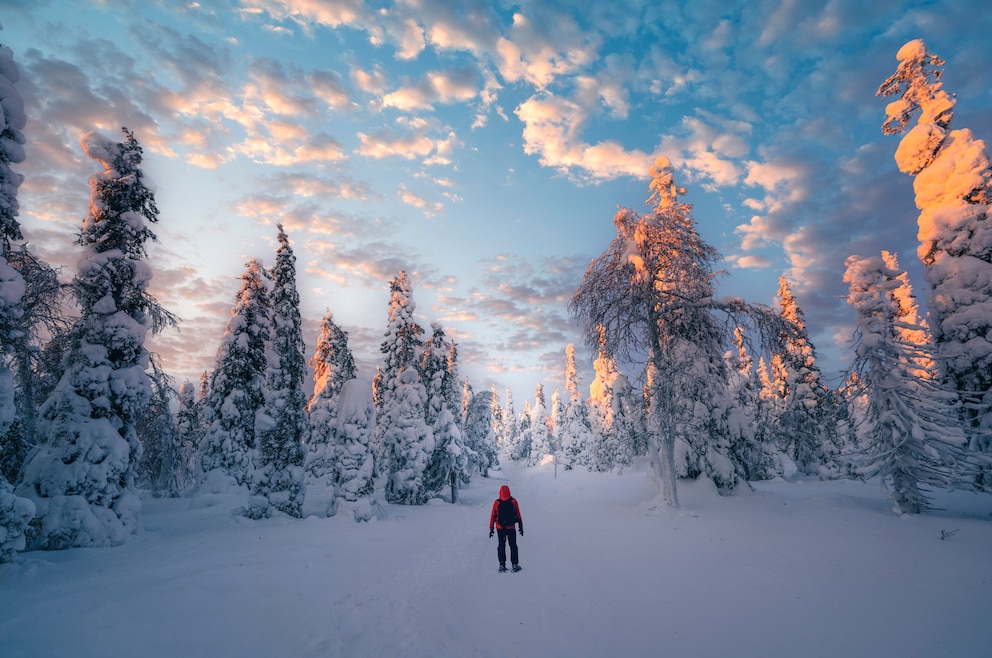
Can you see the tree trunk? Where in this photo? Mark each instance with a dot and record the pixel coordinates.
(454, 487)
(660, 425)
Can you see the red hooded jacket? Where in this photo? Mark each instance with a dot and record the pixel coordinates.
(504, 494)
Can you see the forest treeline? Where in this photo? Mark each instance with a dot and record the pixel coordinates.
(697, 385)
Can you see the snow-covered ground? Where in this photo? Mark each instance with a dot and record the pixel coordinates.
(792, 569)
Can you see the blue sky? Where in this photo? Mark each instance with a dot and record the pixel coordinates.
(482, 147)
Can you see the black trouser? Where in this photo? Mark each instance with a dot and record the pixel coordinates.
(502, 536)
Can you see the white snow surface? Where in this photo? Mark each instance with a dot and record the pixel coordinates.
(802, 568)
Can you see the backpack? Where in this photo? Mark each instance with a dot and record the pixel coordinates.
(506, 514)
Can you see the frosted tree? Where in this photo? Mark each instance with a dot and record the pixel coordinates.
(912, 330)
(953, 185)
(81, 476)
(453, 385)
(522, 448)
(913, 440)
(556, 426)
(279, 482)
(467, 395)
(511, 427)
(609, 411)
(752, 449)
(36, 342)
(537, 435)
(807, 432)
(237, 387)
(480, 437)
(450, 462)
(12, 286)
(354, 466)
(401, 349)
(410, 439)
(189, 432)
(579, 441)
(434, 366)
(15, 512)
(499, 429)
(333, 365)
(159, 470)
(652, 292)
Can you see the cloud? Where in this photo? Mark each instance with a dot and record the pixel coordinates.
(542, 46)
(456, 85)
(430, 208)
(552, 130)
(310, 12)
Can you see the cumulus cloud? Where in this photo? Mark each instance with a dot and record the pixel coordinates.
(552, 131)
(539, 47)
(310, 12)
(452, 86)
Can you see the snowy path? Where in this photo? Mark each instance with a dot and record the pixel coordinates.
(810, 569)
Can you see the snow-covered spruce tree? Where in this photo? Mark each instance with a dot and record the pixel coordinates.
(189, 433)
(511, 428)
(401, 349)
(449, 461)
(752, 449)
(278, 482)
(434, 366)
(237, 387)
(354, 467)
(467, 395)
(579, 441)
(497, 413)
(537, 437)
(410, 439)
(953, 185)
(12, 286)
(914, 440)
(523, 446)
(333, 365)
(453, 385)
(652, 291)
(556, 438)
(15, 512)
(806, 431)
(81, 476)
(600, 407)
(479, 437)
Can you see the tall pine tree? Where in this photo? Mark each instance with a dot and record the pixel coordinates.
(405, 439)
(953, 186)
(913, 440)
(807, 432)
(333, 365)
(82, 474)
(278, 482)
(15, 512)
(237, 385)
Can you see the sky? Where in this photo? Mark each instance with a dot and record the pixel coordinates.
(482, 147)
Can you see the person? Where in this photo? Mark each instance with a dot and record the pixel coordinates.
(505, 516)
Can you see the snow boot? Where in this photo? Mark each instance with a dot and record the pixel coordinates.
(516, 568)
(502, 568)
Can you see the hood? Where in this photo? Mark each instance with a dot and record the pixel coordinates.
(504, 493)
